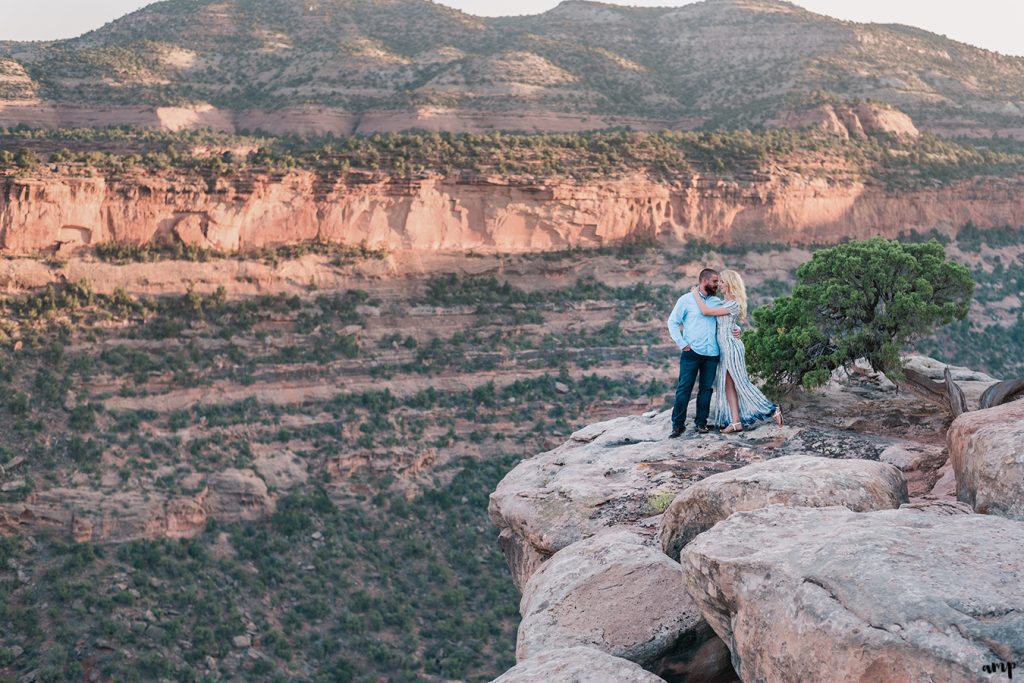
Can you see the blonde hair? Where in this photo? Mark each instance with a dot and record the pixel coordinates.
(737, 290)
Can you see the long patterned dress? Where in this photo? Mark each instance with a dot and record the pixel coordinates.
(754, 405)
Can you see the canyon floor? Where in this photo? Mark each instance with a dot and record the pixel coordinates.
(281, 471)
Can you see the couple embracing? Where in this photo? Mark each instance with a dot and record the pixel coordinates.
(711, 350)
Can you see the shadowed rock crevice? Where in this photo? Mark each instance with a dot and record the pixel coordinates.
(803, 481)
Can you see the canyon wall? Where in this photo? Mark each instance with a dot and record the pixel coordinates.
(444, 214)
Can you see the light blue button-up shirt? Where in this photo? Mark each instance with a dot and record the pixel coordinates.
(700, 332)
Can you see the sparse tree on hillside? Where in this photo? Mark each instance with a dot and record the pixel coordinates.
(857, 300)
(25, 158)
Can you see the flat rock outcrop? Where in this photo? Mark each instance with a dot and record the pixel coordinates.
(986, 449)
(827, 594)
(577, 665)
(578, 524)
(606, 474)
(802, 481)
(591, 594)
(112, 517)
(626, 469)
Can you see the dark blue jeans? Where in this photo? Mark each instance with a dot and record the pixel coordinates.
(692, 364)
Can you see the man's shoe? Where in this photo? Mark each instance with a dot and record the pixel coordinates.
(703, 429)
(677, 432)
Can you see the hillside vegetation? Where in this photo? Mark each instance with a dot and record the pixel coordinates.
(723, 62)
(898, 162)
(397, 406)
(379, 559)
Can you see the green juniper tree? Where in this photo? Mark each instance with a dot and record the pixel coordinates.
(25, 159)
(856, 300)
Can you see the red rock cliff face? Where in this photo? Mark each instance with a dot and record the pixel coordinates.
(439, 214)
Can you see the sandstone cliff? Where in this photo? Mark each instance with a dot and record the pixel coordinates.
(442, 214)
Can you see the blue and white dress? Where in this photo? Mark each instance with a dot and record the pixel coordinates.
(754, 405)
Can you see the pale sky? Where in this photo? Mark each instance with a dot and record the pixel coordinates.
(993, 24)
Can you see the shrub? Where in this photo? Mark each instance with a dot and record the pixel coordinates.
(856, 300)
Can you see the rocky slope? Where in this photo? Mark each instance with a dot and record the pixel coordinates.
(375, 65)
(798, 544)
(445, 214)
(306, 432)
(362, 407)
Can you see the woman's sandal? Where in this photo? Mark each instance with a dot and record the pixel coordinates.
(778, 416)
(733, 428)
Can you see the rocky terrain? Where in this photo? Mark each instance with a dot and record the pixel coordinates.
(362, 66)
(283, 469)
(834, 548)
(257, 389)
(285, 450)
(62, 190)
(263, 357)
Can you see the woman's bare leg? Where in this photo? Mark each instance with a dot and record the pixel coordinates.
(732, 398)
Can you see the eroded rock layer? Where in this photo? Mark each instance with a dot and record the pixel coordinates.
(442, 214)
(86, 515)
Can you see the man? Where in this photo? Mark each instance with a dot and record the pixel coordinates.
(698, 344)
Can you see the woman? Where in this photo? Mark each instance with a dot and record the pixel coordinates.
(744, 404)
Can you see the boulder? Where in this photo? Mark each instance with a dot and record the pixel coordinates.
(914, 457)
(805, 481)
(827, 594)
(618, 593)
(282, 470)
(236, 495)
(945, 486)
(986, 448)
(577, 665)
(920, 463)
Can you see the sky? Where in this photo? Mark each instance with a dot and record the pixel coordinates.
(992, 24)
